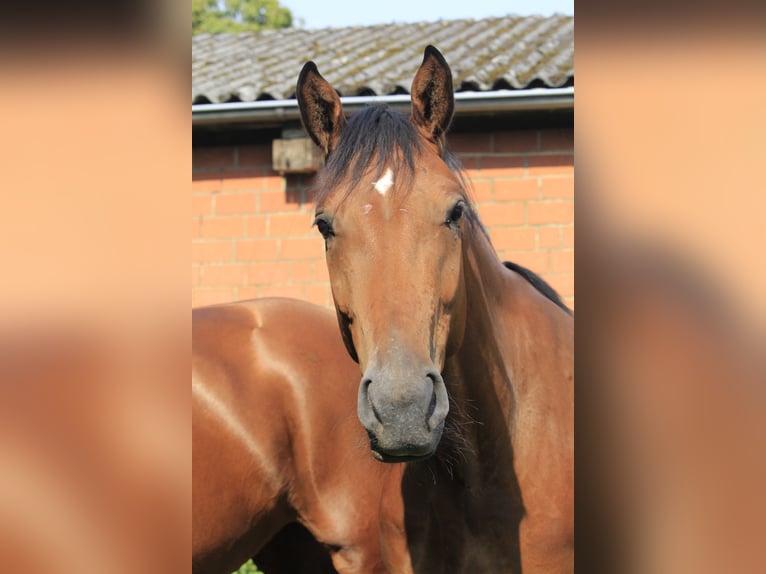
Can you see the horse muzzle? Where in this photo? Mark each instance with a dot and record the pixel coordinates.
(403, 413)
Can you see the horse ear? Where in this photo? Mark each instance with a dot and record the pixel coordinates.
(320, 106)
(433, 100)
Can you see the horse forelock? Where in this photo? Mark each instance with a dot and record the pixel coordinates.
(374, 141)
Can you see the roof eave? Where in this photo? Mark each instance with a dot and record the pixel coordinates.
(268, 112)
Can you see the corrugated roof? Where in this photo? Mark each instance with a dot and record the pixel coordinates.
(512, 52)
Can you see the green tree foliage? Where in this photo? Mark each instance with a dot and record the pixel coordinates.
(217, 16)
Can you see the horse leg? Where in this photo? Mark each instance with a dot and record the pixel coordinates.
(396, 552)
(360, 558)
(354, 546)
(293, 550)
(393, 536)
(353, 550)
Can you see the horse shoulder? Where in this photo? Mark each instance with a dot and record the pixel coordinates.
(541, 350)
(236, 475)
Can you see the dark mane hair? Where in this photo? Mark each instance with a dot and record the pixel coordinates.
(378, 134)
(538, 283)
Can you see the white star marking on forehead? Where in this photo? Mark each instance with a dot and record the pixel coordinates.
(385, 182)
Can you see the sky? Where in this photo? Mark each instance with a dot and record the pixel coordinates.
(325, 13)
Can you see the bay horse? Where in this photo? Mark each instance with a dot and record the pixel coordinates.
(279, 459)
(467, 363)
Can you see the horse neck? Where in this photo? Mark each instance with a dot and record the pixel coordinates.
(505, 356)
(483, 358)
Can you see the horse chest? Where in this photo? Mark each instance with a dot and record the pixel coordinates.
(457, 527)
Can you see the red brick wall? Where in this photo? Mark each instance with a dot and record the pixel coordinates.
(252, 235)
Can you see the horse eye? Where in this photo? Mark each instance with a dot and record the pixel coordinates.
(324, 227)
(455, 214)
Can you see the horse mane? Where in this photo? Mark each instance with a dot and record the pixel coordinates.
(379, 137)
(538, 283)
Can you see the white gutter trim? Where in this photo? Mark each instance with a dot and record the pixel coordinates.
(270, 111)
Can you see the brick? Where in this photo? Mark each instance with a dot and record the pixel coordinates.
(302, 271)
(298, 180)
(321, 273)
(286, 224)
(555, 140)
(542, 212)
(301, 248)
(274, 201)
(256, 226)
(510, 189)
(549, 237)
(196, 227)
(296, 196)
(293, 291)
(567, 236)
(266, 272)
(272, 181)
(537, 261)
(212, 251)
(207, 182)
(235, 203)
(497, 214)
(256, 250)
(551, 164)
(206, 296)
(202, 204)
(502, 166)
(213, 157)
(293, 193)
(243, 179)
(470, 143)
(561, 261)
(470, 165)
(247, 292)
(516, 141)
(227, 275)
(557, 187)
(562, 283)
(255, 155)
(513, 238)
(480, 191)
(195, 276)
(319, 293)
(223, 227)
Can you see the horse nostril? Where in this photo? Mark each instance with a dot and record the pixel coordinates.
(366, 383)
(439, 405)
(432, 405)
